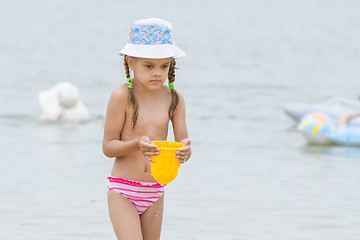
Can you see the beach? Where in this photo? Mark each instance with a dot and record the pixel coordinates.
(251, 175)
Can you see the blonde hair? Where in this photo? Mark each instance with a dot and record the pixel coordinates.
(174, 94)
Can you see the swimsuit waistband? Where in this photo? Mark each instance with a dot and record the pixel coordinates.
(135, 183)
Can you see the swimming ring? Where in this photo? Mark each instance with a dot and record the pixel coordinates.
(320, 128)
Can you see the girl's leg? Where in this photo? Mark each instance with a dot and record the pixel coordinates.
(124, 217)
(151, 220)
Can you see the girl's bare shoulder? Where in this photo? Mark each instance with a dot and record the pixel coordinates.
(166, 90)
(121, 92)
(119, 96)
(181, 97)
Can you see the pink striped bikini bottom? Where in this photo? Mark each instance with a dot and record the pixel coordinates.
(141, 194)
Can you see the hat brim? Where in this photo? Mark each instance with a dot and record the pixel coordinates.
(152, 51)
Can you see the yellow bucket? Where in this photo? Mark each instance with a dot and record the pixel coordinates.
(165, 166)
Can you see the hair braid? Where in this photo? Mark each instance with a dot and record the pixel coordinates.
(174, 95)
(132, 98)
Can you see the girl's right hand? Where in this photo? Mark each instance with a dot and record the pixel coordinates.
(148, 148)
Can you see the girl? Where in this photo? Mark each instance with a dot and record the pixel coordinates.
(139, 112)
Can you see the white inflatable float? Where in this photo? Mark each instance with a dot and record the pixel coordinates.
(62, 103)
(333, 108)
(320, 128)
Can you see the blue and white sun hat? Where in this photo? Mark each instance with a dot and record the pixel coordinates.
(151, 38)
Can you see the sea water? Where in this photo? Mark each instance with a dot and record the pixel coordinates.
(251, 175)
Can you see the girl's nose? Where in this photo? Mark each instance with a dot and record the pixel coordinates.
(157, 73)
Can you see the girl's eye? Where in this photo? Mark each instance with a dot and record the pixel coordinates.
(148, 66)
(165, 66)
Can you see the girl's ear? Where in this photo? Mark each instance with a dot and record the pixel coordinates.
(131, 62)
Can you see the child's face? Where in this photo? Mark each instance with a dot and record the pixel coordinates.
(151, 73)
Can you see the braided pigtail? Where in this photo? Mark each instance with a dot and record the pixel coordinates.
(132, 98)
(174, 95)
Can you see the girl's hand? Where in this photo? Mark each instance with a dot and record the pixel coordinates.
(148, 148)
(184, 153)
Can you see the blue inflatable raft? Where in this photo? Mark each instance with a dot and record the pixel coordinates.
(321, 128)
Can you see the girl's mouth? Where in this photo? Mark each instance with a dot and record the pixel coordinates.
(155, 81)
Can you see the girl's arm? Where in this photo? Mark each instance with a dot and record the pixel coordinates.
(344, 119)
(180, 131)
(114, 123)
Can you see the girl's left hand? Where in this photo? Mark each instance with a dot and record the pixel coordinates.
(184, 153)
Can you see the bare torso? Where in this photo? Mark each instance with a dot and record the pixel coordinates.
(152, 121)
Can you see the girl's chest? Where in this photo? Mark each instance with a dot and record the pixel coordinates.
(152, 117)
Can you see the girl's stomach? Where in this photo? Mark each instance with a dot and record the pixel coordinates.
(133, 167)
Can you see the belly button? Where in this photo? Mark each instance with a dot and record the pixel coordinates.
(146, 169)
